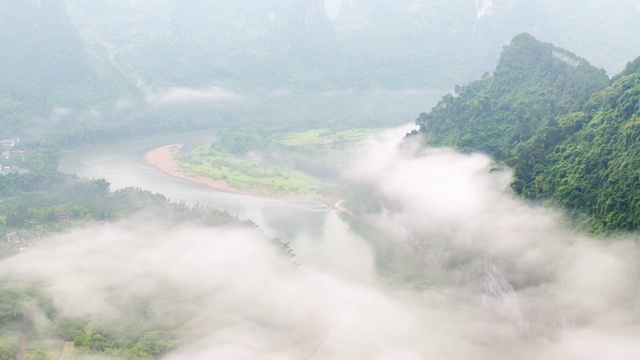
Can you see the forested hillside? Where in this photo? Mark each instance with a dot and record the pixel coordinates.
(570, 133)
(589, 160)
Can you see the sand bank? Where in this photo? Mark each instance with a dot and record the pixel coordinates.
(162, 159)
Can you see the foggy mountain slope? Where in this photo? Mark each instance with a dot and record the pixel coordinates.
(462, 39)
(570, 138)
(46, 65)
(450, 204)
(304, 28)
(399, 44)
(406, 42)
(456, 41)
(201, 43)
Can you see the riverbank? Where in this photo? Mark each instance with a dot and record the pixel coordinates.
(162, 159)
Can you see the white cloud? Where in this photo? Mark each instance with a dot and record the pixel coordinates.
(59, 113)
(183, 94)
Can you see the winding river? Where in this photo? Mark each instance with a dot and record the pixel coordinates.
(312, 229)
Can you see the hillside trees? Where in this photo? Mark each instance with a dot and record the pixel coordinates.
(570, 134)
(529, 86)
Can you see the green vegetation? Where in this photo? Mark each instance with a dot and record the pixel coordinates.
(250, 175)
(28, 315)
(29, 319)
(589, 159)
(292, 164)
(35, 206)
(43, 201)
(17, 302)
(567, 131)
(322, 139)
(529, 86)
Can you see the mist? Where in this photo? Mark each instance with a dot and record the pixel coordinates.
(182, 94)
(506, 278)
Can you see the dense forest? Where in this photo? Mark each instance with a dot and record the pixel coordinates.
(570, 133)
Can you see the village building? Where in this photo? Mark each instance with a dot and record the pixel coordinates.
(13, 237)
(7, 143)
(8, 154)
(62, 217)
(13, 169)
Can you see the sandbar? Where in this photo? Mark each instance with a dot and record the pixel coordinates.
(162, 159)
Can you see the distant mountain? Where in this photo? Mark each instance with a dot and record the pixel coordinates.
(303, 29)
(45, 64)
(369, 44)
(408, 43)
(602, 31)
(446, 42)
(286, 51)
(571, 135)
(202, 42)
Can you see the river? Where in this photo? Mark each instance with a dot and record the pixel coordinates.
(314, 230)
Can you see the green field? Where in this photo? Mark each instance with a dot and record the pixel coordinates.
(325, 137)
(249, 175)
(279, 173)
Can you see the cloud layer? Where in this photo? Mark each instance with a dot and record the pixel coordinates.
(178, 95)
